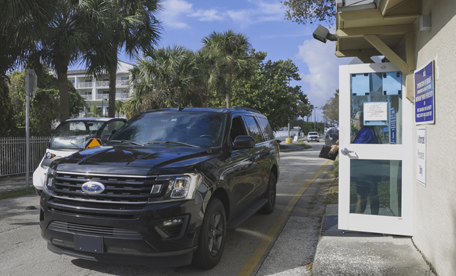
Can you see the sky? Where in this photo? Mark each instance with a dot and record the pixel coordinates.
(187, 22)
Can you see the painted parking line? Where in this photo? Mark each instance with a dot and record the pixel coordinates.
(256, 257)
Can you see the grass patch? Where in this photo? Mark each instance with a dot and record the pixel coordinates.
(17, 193)
(332, 193)
(300, 143)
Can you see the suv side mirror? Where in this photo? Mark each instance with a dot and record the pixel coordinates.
(243, 142)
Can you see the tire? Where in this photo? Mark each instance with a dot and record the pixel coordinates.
(270, 194)
(212, 236)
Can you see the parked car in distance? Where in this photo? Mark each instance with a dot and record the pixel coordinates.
(71, 136)
(313, 136)
(331, 136)
(164, 189)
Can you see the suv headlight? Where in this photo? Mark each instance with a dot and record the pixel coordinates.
(49, 181)
(180, 186)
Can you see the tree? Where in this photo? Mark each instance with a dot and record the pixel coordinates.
(132, 26)
(44, 107)
(65, 38)
(268, 90)
(119, 107)
(310, 11)
(21, 23)
(229, 54)
(168, 74)
(95, 110)
(331, 109)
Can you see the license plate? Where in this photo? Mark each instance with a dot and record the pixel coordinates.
(85, 243)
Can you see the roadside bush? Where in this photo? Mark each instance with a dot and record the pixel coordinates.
(336, 168)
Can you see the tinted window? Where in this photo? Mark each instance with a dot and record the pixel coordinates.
(237, 128)
(200, 129)
(253, 129)
(266, 127)
(111, 126)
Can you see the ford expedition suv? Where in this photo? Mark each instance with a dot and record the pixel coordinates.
(163, 189)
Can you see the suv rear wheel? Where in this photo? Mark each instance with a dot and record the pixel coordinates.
(212, 236)
(270, 195)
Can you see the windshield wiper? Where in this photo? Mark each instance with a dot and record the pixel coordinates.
(127, 141)
(173, 142)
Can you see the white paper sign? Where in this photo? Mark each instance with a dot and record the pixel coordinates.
(377, 111)
(421, 155)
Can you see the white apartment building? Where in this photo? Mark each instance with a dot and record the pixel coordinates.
(96, 91)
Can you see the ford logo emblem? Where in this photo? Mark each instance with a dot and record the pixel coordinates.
(93, 188)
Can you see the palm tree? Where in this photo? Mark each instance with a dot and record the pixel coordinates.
(229, 54)
(132, 27)
(65, 37)
(21, 24)
(166, 77)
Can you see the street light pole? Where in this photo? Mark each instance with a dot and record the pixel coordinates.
(315, 119)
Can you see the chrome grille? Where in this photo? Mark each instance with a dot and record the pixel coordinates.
(118, 188)
(104, 231)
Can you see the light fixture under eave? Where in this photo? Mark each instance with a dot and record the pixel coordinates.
(322, 34)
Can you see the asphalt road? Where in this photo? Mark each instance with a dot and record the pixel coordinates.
(281, 243)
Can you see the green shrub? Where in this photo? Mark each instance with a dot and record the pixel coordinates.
(336, 168)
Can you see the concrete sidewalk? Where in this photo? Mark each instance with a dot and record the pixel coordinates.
(357, 253)
(15, 182)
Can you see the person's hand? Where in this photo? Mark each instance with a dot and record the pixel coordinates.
(334, 149)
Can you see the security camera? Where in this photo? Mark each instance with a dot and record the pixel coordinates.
(322, 34)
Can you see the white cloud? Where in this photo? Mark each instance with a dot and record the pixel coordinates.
(263, 11)
(208, 15)
(323, 77)
(173, 13)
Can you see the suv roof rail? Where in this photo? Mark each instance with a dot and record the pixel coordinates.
(246, 108)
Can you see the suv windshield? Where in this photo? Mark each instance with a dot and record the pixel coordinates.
(174, 127)
(313, 133)
(74, 134)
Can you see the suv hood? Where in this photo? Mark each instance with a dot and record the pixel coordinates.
(135, 160)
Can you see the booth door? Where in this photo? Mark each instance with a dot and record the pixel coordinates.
(375, 143)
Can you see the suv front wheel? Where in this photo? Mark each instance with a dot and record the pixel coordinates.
(212, 236)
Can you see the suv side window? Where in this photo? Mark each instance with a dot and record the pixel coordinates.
(266, 127)
(237, 128)
(253, 128)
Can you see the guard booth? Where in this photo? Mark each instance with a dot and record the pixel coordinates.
(375, 179)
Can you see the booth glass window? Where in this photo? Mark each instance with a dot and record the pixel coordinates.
(376, 108)
(376, 187)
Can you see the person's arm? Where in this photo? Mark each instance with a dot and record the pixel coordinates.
(334, 148)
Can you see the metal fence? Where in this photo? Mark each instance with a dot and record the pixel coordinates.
(13, 154)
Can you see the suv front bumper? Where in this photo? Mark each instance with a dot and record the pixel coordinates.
(163, 234)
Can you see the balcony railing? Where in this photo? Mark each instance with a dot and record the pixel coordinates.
(99, 84)
(118, 96)
(84, 85)
(102, 83)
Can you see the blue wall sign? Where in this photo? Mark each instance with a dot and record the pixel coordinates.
(424, 94)
(393, 126)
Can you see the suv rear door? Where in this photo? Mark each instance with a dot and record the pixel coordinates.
(260, 155)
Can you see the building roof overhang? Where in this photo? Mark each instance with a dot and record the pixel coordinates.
(378, 28)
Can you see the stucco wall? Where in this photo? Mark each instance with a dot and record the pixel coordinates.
(435, 204)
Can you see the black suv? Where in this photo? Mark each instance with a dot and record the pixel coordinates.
(164, 188)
